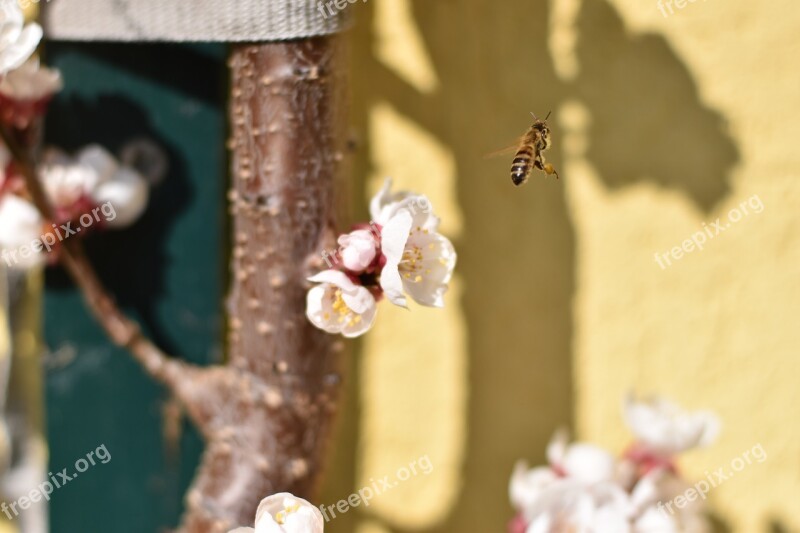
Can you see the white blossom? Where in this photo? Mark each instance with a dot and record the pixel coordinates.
(585, 489)
(338, 305)
(285, 513)
(666, 429)
(581, 463)
(94, 174)
(419, 261)
(17, 40)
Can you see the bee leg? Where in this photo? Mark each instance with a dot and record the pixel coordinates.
(550, 170)
(547, 168)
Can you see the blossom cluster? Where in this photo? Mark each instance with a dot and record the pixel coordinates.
(584, 488)
(399, 254)
(74, 186)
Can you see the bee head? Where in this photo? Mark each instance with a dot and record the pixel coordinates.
(543, 129)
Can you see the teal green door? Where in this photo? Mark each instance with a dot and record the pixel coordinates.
(166, 271)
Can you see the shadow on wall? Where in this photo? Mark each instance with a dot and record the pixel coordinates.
(517, 255)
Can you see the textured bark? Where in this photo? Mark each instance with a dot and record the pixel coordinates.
(286, 116)
(266, 415)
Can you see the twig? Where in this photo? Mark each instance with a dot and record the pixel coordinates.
(123, 332)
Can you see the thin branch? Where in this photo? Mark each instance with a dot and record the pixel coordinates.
(122, 331)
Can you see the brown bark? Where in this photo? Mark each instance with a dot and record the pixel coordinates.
(286, 115)
(266, 414)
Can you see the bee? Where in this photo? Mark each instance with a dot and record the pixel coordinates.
(530, 153)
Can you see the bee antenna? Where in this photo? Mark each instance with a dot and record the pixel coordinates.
(534, 115)
(548, 115)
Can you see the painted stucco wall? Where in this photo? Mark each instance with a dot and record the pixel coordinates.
(664, 122)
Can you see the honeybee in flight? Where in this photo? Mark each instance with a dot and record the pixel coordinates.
(530, 153)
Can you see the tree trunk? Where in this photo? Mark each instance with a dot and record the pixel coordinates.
(279, 398)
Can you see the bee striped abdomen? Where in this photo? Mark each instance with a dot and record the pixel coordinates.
(521, 166)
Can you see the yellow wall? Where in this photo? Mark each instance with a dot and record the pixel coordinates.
(559, 308)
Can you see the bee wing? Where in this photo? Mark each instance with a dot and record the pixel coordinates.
(504, 151)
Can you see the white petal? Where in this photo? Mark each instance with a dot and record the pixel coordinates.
(20, 226)
(126, 193)
(666, 428)
(66, 183)
(654, 520)
(527, 486)
(20, 47)
(380, 200)
(359, 301)
(386, 205)
(394, 236)
(429, 279)
(542, 524)
(242, 530)
(588, 463)
(100, 159)
(316, 308)
(335, 277)
(557, 447)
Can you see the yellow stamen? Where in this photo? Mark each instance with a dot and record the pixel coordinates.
(280, 518)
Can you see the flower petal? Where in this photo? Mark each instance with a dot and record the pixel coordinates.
(527, 485)
(394, 236)
(100, 159)
(428, 281)
(127, 194)
(589, 463)
(17, 44)
(381, 199)
(351, 316)
(20, 226)
(667, 429)
(557, 447)
(334, 277)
